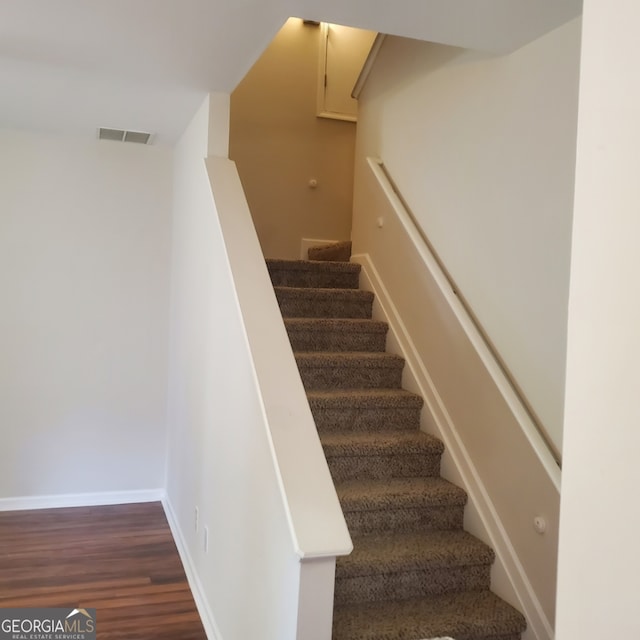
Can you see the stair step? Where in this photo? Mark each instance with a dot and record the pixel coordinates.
(336, 334)
(349, 370)
(365, 409)
(395, 566)
(310, 273)
(414, 572)
(378, 455)
(401, 505)
(334, 251)
(298, 302)
(477, 615)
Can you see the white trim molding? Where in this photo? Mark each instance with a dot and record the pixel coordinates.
(368, 65)
(197, 590)
(80, 500)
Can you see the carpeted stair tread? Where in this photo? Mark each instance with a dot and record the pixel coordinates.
(365, 409)
(381, 454)
(396, 552)
(362, 444)
(336, 334)
(403, 516)
(363, 398)
(400, 565)
(412, 493)
(334, 251)
(471, 615)
(349, 370)
(310, 273)
(334, 359)
(338, 324)
(325, 292)
(401, 505)
(301, 302)
(315, 266)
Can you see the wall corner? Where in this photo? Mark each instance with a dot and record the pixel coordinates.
(219, 114)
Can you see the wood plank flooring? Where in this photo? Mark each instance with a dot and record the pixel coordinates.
(120, 560)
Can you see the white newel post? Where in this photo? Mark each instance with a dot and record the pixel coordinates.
(315, 606)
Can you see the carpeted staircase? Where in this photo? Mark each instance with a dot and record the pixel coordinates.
(414, 572)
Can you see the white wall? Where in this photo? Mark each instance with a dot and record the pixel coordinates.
(84, 270)
(483, 149)
(490, 448)
(599, 561)
(219, 453)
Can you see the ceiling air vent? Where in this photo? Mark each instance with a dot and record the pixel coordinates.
(111, 134)
(120, 135)
(137, 136)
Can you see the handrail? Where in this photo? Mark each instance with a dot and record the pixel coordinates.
(487, 350)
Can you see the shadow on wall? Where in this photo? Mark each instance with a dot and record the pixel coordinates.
(296, 168)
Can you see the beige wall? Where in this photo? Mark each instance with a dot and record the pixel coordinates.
(279, 145)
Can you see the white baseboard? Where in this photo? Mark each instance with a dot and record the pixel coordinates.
(206, 615)
(419, 380)
(80, 500)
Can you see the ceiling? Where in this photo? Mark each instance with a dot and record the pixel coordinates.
(70, 66)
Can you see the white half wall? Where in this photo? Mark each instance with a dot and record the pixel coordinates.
(599, 561)
(84, 276)
(220, 458)
(482, 149)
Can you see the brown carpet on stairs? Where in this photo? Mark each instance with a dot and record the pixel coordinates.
(336, 252)
(414, 572)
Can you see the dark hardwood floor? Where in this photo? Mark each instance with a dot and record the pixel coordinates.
(120, 560)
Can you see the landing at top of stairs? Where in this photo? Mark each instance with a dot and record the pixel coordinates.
(334, 251)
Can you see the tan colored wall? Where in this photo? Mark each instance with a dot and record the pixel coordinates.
(279, 144)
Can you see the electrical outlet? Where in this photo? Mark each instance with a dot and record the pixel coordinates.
(206, 539)
(197, 519)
